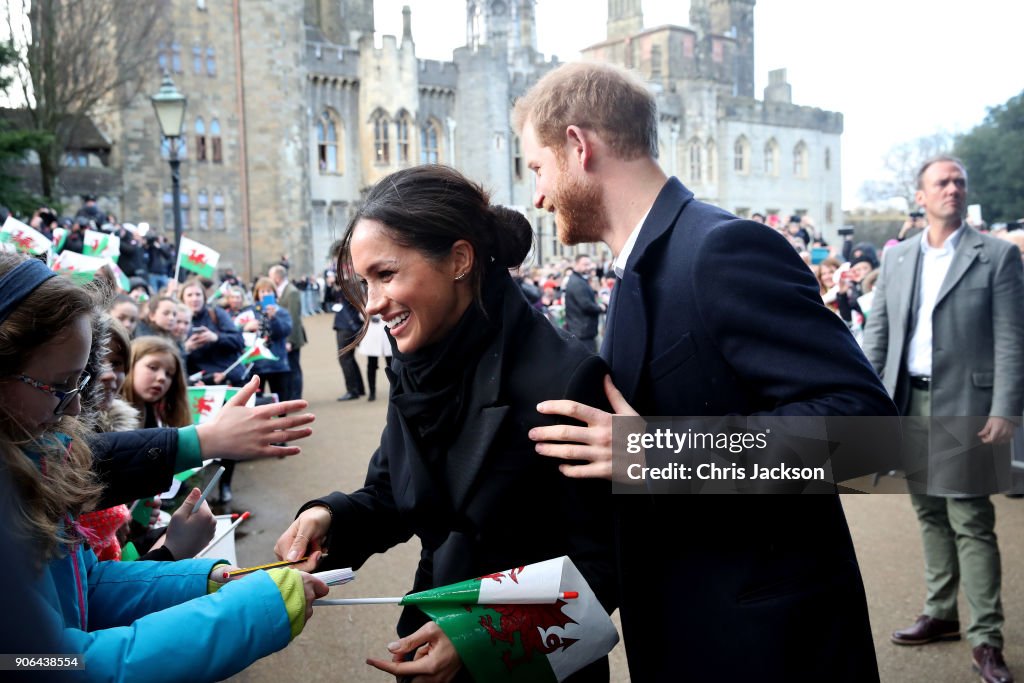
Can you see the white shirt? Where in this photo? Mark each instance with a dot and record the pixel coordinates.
(620, 261)
(935, 262)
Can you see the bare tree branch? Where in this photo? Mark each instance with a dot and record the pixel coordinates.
(80, 54)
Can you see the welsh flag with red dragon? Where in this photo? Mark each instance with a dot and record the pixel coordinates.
(198, 258)
(541, 622)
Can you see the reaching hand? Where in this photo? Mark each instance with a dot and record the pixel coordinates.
(435, 661)
(242, 433)
(190, 530)
(305, 536)
(591, 444)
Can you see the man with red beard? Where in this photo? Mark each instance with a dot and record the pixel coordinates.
(713, 315)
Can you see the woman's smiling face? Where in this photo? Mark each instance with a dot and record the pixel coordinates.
(419, 300)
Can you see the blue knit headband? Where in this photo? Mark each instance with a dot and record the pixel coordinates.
(19, 282)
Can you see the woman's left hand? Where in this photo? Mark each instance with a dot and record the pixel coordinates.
(436, 660)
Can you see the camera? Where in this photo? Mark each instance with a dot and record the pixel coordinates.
(916, 214)
(846, 230)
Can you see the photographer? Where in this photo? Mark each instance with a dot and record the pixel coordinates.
(158, 255)
(133, 251)
(850, 289)
(912, 226)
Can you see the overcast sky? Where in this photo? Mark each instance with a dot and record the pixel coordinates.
(896, 69)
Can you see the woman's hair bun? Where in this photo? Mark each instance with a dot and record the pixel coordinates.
(513, 236)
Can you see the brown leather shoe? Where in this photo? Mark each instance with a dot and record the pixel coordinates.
(990, 665)
(927, 630)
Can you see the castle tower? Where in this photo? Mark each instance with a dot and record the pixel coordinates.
(625, 18)
(488, 22)
(735, 18)
(341, 21)
(356, 19)
(524, 38)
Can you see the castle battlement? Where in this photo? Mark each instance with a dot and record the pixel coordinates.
(331, 60)
(434, 72)
(780, 114)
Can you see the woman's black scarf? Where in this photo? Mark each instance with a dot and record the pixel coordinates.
(432, 387)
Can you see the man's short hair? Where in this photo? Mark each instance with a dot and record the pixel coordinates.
(600, 97)
(580, 257)
(277, 271)
(935, 160)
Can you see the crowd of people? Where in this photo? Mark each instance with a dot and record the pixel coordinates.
(695, 312)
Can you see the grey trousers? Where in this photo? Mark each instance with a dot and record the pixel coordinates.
(960, 549)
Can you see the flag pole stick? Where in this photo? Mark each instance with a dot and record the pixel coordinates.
(567, 595)
(235, 364)
(358, 601)
(245, 516)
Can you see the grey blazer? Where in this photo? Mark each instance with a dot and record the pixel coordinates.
(977, 343)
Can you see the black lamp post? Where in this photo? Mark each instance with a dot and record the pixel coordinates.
(169, 105)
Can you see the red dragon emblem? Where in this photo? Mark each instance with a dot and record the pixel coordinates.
(529, 621)
(22, 240)
(203, 405)
(499, 576)
(197, 257)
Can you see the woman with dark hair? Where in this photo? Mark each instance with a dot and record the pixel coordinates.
(472, 359)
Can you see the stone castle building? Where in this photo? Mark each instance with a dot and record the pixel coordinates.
(293, 111)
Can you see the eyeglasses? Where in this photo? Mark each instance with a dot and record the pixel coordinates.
(64, 398)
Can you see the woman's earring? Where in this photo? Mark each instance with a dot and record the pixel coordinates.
(460, 276)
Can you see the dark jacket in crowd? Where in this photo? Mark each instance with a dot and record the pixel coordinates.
(159, 257)
(133, 254)
(220, 354)
(581, 308)
(347, 319)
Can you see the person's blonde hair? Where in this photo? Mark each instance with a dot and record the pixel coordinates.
(62, 483)
(603, 98)
(172, 409)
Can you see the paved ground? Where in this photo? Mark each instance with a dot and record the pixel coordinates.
(338, 639)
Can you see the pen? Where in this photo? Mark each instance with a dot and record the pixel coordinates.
(272, 565)
(209, 487)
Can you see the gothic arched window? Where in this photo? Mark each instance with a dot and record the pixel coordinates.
(800, 160)
(696, 161)
(216, 147)
(381, 143)
(429, 147)
(771, 158)
(741, 155)
(200, 139)
(327, 139)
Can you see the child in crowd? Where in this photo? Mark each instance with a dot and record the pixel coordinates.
(125, 311)
(119, 616)
(182, 323)
(156, 383)
(160, 318)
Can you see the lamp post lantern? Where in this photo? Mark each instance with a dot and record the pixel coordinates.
(169, 105)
